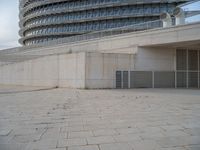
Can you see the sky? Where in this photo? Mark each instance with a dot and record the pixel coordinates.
(195, 6)
(9, 23)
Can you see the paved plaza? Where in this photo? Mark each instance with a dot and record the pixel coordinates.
(70, 119)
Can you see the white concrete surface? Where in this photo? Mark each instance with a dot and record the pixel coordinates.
(60, 119)
(71, 70)
(50, 71)
(155, 59)
(77, 70)
(36, 72)
(101, 68)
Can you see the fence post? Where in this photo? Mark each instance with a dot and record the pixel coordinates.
(175, 68)
(198, 53)
(152, 79)
(175, 79)
(187, 72)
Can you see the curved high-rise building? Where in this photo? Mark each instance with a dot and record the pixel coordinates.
(45, 20)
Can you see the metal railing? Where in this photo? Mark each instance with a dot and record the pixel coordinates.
(107, 32)
(118, 30)
(157, 79)
(32, 5)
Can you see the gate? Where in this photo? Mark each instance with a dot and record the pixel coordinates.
(188, 68)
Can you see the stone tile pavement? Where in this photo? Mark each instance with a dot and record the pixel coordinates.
(66, 119)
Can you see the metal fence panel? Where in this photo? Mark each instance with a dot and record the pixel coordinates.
(125, 79)
(192, 79)
(158, 79)
(140, 79)
(181, 81)
(164, 79)
(193, 60)
(118, 79)
(199, 80)
(181, 59)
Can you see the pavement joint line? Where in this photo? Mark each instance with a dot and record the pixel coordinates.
(130, 121)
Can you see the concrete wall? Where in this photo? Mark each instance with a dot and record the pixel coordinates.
(101, 68)
(85, 70)
(65, 70)
(155, 59)
(72, 70)
(77, 70)
(37, 72)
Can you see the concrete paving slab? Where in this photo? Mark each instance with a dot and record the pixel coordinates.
(60, 119)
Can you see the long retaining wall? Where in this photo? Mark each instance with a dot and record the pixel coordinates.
(76, 70)
(84, 69)
(50, 71)
(38, 72)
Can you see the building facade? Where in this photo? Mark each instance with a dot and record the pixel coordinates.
(167, 56)
(156, 58)
(45, 20)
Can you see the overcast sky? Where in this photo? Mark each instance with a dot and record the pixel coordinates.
(8, 23)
